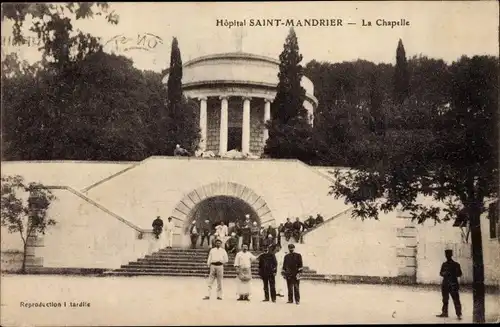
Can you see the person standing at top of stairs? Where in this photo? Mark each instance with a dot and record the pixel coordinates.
(157, 227)
(169, 232)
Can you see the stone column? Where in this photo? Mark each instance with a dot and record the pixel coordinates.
(245, 130)
(203, 123)
(267, 116)
(223, 125)
(406, 250)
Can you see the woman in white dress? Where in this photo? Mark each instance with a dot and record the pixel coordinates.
(243, 265)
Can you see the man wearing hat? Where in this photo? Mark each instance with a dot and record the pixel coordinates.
(267, 271)
(217, 257)
(450, 271)
(292, 268)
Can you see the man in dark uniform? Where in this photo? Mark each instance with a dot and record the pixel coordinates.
(193, 233)
(267, 271)
(232, 243)
(450, 271)
(319, 219)
(246, 232)
(157, 227)
(298, 228)
(309, 223)
(255, 236)
(288, 229)
(205, 232)
(271, 231)
(292, 268)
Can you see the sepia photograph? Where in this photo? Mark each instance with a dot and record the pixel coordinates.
(249, 163)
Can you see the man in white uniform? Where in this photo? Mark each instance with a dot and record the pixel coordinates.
(221, 232)
(217, 257)
(280, 281)
(169, 232)
(243, 264)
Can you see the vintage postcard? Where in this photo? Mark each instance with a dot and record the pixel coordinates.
(268, 163)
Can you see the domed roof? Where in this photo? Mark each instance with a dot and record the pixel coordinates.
(233, 55)
(236, 68)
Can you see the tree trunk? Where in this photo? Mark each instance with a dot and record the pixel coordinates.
(478, 290)
(23, 267)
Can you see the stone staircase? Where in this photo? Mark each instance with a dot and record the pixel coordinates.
(186, 262)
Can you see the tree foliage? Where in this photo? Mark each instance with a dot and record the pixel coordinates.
(453, 161)
(181, 122)
(24, 209)
(290, 96)
(401, 75)
(290, 134)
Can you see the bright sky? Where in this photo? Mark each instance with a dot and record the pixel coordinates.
(440, 29)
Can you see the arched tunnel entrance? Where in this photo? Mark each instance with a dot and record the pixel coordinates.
(219, 201)
(224, 208)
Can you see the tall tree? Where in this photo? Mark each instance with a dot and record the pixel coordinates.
(290, 96)
(401, 75)
(290, 134)
(181, 122)
(455, 163)
(174, 83)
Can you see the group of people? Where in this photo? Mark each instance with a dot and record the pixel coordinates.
(270, 263)
(297, 228)
(164, 232)
(257, 238)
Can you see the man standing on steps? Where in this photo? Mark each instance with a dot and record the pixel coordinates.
(169, 232)
(205, 232)
(217, 257)
(450, 271)
(157, 227)
(255, 236)
(292, 268)
(246, 231)
(193, 232)
(267, 271)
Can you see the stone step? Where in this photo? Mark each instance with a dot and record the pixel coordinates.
(196, 251)
(187, 257)
(183, 274)
(191, 269)
(186, 264)
(196, 272)
(177, 263)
